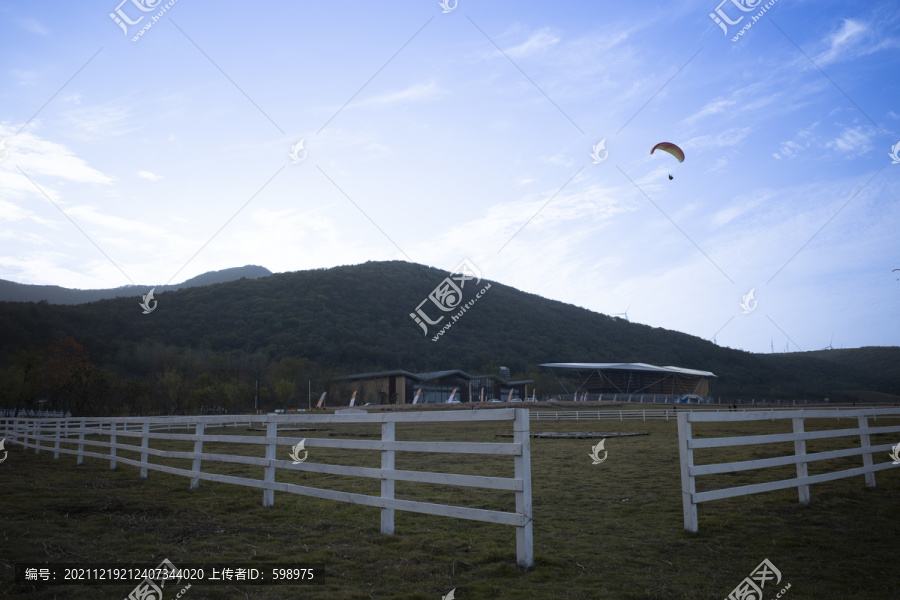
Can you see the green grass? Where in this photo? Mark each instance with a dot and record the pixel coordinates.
(589, 542)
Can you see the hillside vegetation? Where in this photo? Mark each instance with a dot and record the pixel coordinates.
(11, 291)
(212, 344)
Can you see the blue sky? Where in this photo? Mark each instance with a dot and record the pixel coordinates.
(434, 137)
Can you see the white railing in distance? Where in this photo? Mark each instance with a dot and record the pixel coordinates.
(643, 414)
(687, 444)
(114, 430)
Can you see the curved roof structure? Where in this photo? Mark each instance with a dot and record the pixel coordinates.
(627, 367)
(635, 378)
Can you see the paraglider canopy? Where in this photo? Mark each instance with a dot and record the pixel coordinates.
(671, 149)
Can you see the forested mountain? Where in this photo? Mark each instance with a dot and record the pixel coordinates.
(211, 344)
(11, 291)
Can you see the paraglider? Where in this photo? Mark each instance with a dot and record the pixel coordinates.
(671, 149)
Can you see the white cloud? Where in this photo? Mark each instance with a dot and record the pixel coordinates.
(419, 91)
(856, 140)
(89, 214)
(557, 159)
(13, 212)
(149, 175)
(539, 41)
(41, 160)
(102, 120)
(801, 141)
(729, 137)
(841, 42)
(25, 77)
(58, 268)
(289, 235)
(33, 26)
(740, 206)
(712, 108)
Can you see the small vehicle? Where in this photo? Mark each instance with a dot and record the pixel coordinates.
(454, 401)
(493, 400)
(371, 404)
(690, 399)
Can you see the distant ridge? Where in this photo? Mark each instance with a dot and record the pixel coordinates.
(10, 291)
(324, 323)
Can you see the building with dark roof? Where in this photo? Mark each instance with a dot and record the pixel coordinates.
(400, 387)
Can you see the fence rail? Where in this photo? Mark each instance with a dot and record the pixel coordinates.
(625, 397)
(687, 444)
(73, 432)
(640, 414)
(9, 412)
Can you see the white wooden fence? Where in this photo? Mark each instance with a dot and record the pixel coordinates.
(635, 398)
(8, 412)
(687, 444)
(597, 415)
(34, 432)
(634, 414)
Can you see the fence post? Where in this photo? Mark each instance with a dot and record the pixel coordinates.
(145, 443)
(387, 484)
(198, 449)
(112, 447)
(688, 485)
(864, 442)
(524, 533)
(620, 415)
(81, 428)
(645, 413)
(271, 432)
(800, 450)
(56, 441)
(37, 437)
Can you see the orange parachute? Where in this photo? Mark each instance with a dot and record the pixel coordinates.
(671, 149)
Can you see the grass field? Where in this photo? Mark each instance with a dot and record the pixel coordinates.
(612, 530)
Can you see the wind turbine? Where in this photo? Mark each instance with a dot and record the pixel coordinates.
(625, 314)
(772, 345)
(829, 346)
